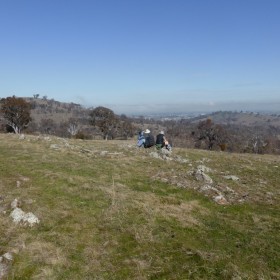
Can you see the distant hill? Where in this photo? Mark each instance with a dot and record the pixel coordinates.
(241, 118)
(55, 110)
(62, 111)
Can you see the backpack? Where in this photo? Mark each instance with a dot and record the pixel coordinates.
(149, 141)
(160, 140)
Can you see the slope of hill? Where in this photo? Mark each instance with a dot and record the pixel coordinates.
(55, 110)
(108, 210)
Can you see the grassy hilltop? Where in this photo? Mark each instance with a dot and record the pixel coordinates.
(108, 210)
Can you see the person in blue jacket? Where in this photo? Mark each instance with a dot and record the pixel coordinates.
(141, 139)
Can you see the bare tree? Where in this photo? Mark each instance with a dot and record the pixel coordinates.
(16, 113)
(47, 126)
(212, 134)
(258, 144)
(126, 129)
(73, 127)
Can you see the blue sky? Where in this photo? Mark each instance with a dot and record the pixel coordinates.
(143, 56)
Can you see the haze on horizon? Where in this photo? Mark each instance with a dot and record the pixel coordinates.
(143, 56)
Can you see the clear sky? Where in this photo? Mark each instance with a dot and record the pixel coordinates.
(143, 55)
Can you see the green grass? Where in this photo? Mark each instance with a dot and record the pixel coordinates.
(121, 214)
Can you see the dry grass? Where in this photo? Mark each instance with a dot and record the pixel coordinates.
(111, 211)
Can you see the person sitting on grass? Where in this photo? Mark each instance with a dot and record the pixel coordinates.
(149, 139)
(141, 139)
(161, 142)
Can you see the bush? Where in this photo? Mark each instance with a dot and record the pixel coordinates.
(82, 135)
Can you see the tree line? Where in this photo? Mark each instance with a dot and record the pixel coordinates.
(103, 123)
(100, 122)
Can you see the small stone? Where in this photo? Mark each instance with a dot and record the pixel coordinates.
(8, 256)
(231, 177)
(201, 176)
(220, 200)
(15, 203)
(3, 270)
(203, 168)
(54, 147)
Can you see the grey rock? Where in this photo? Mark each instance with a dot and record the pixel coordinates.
(3, 270)
(155, 155)
(220, 199)
(8, 256)
(231, 177)
(203, 168)
(15, 203)
(26, 218)
(201, 176)
(54, 147)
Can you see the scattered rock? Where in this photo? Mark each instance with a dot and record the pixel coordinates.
(21, 137)
(165, 152)
(28, 201)
(207, 188)
(5, 260)
(2, 209)
(103, 153)
(15, 203)
(24, 179)
(26, 218)
(3, 270)
(54, 147)
(220, 199)
(201, 176)
(203, 168)
(155, 155)
(8, 256)
(180, 159)
(85, 151)
(231, 177)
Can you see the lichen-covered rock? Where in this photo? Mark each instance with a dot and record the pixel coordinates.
(203, 168)
(8, 256)
(3, 270)
(15, 203)
(20, 216)
(155, 155)
(231, 177)
(201, 176)
(220, 199)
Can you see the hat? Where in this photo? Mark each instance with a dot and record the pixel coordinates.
(147, 131)
(162, 132)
